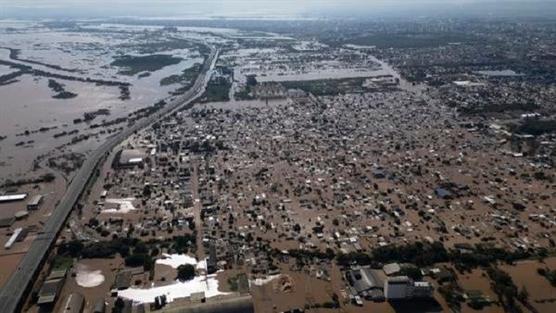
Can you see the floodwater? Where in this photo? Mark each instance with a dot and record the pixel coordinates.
(5, 70)
(27, 105)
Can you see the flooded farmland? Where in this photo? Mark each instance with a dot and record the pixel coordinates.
(50, 77)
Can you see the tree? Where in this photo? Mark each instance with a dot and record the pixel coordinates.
(186, 272)
(251, 80)
(118, 305)
(412, 272)
(523, 295)
(135, 260)
(73, 248)
(147, 191)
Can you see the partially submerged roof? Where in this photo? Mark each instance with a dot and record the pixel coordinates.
(365, 279)
(49, 291)
(391, 268)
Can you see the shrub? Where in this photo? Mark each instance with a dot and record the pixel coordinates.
(186, 272)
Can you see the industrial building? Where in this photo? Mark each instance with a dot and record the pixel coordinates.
(403, 287)
(128, 158)
(367, 283)
(35, 202)
(51, 288)
(375, 285)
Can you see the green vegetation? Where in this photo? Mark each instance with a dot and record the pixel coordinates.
(537, 127)
(153, 45)
(239, 283)
(62, 263)
(61, 92)
(307, 254)
(131, 65)
(418, 253)
(328, 87)
(184, 244)
(245, 93)
(412, 272)
(498, 107)
(217, 90)
(354, 257)
(452, 294)
(234, 283)
(108, 249)
(186, 272)
(476, 299)
(423, 254)
(140, 259)
(46, 178)
(504, 287)
(485, 255)
(550, 275)
(186, 77)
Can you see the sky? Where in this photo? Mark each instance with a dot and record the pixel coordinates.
(257, 8)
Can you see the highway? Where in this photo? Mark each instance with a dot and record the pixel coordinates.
(14, 292)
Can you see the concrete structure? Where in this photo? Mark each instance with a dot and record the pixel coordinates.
(74, 304)
(34, 203)
(13, 238)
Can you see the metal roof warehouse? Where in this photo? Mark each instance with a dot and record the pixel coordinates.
(13, 197)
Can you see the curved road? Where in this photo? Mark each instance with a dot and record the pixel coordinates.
(14, 292)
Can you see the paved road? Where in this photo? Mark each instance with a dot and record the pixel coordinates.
(13, 294)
